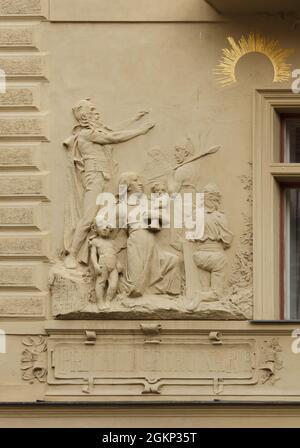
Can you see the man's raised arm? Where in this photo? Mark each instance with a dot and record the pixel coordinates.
(120, 136)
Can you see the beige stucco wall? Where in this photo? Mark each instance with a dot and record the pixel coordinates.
(159, 57)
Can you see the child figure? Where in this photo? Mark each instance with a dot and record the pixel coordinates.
(160, 205)
(160, 188)
(105, 263)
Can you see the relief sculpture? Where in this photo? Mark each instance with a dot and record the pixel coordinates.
(106, 267)
(150, 269)
(33, 361)
(164, 254)
(210, 256)
(93, 168)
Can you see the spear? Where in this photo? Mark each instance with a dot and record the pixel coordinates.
(212, 150)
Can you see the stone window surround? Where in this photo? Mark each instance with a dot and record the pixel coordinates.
(268, 174)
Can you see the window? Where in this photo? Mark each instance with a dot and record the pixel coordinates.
(276, 205)
(290, 128)
(290, 222)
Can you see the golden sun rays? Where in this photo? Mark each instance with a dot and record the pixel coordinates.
(254, 43)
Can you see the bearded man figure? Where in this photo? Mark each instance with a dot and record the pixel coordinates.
(90, 170)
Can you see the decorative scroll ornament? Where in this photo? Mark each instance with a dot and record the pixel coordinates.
(270, 361)
(33, 361)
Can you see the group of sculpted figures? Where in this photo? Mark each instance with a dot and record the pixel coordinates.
(131, 261)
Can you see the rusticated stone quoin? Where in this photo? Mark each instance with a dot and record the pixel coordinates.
(34, 185)
(23, 65)
(19, 215)
(22, 8)
(27, 306)
(19, 156)
(27, 246)
(16, 216)
(22, 127)
(29, 276)
(20, 97)
(18, 36)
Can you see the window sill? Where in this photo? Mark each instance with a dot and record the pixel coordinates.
(272, 322)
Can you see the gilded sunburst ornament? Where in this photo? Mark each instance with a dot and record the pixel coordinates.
(254, 43)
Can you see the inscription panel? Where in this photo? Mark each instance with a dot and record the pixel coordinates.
(171, 362)
(231, 362)
(67, 297)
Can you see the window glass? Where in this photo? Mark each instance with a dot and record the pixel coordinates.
(292, 253)
(292, 140)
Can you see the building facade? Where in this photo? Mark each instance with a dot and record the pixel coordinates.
(195, 323)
